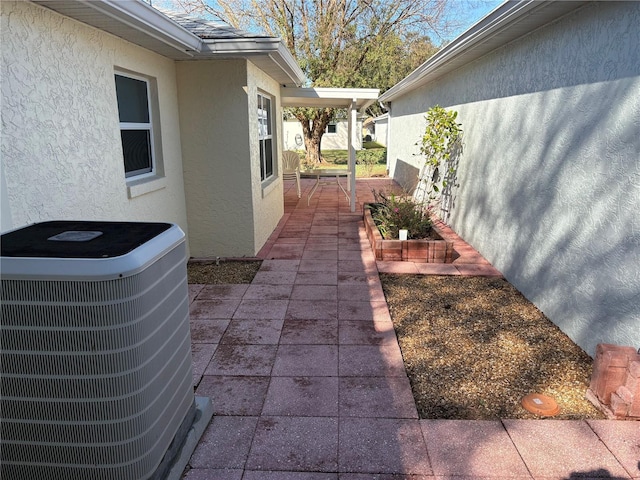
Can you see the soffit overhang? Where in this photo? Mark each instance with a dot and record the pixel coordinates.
(143, 25)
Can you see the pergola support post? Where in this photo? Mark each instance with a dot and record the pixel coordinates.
(352, 124)
(353, 99)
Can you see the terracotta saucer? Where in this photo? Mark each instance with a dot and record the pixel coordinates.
(540, 405)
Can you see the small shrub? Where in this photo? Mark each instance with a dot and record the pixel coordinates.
(393, 213)
(373, 145)
(370, 158)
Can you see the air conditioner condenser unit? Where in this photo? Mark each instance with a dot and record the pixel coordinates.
(96, 379)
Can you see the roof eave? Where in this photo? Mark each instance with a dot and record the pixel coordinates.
(252, 48)
(488, 34)
(128, 19)
(243, 45)
(138, 16)
(287, 62)
(156, 23)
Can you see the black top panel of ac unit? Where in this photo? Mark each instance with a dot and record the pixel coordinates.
(79, 239)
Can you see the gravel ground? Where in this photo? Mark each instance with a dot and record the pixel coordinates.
(224, 271)
(473, 347)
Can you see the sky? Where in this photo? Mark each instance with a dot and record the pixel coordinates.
(466, 12)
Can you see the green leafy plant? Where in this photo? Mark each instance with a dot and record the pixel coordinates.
(440, 147)
(369, 158)
(392, 213)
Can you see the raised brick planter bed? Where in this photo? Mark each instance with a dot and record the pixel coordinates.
(418, 251)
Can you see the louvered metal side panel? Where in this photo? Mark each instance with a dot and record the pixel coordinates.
(95, 375)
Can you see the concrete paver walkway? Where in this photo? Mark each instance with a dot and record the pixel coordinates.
(307, 380)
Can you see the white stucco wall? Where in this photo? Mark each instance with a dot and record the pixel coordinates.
(268, 196)
(550, 172)
(231, 212)
(213, 115)
(61, 148)
(381, 127)
(330, 141)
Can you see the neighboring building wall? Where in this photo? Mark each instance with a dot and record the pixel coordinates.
(550, 173)
(291, 129)
(231, 212)
(381, 128)
(61, 149)
(330, 141)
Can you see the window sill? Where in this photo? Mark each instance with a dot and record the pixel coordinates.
(269, 186)
(139, 187)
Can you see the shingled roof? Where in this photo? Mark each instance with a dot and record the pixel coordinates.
(208, 29)
(182, 36)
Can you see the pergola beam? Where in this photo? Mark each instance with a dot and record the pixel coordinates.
(329, 97)
(353, 99)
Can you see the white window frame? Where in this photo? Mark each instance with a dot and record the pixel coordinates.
(335, 125)
(147, 126)
(265, 133)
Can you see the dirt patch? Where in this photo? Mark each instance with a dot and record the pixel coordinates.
(473, 347)
(222, 272)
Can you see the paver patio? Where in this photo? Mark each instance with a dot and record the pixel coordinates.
(307, 381)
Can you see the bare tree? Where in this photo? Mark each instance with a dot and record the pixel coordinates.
(339, 43)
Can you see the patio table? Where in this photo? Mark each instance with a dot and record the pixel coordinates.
(330, 175)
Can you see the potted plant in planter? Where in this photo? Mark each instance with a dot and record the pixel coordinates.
(389, 215)
(440, 147)
(392, 213)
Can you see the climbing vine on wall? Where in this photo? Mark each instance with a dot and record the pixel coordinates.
(440, 148)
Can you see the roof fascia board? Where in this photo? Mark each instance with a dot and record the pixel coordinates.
(495, 22)
(143, 18)
(486, 27)
(288, 64)
(246, 47)
(240, 45)
(237, 47)
(147, 19)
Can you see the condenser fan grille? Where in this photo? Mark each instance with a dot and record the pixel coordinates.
(96, 374)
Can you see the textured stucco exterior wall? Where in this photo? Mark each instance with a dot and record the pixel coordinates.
(550, 172)
(231, 212)
(61, 148)
(268, 196)
(216, 154)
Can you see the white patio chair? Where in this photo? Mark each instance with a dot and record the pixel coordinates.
(291, 167)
